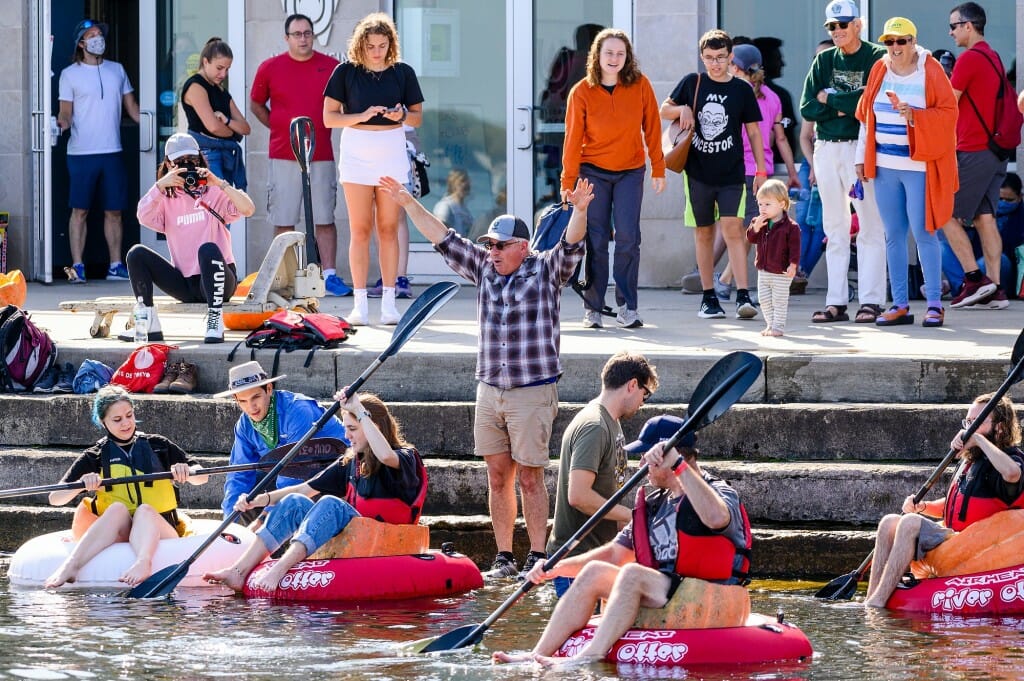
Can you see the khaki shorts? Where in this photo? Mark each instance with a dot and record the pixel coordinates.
(284, 192)
(517, 420)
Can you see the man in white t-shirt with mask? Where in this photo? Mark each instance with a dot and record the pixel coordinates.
(92, 92)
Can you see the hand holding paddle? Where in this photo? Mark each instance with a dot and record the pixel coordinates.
(720, 388)
(843, 588)
(430, 301)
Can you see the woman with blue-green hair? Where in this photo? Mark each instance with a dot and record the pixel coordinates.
(138, 513)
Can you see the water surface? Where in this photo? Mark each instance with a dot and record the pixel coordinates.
(207, 633)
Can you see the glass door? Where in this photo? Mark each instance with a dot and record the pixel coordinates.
(175, 32)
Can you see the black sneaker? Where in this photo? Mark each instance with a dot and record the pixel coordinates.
(66, 379)
(502, 568)
(711, 309)
(47, 380)
(531, 560)
(745, 309)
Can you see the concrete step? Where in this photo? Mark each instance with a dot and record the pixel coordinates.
(435, 367)
(779, 552)
(812, 431)
(857, 493)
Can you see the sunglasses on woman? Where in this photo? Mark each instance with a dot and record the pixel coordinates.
(897, 41)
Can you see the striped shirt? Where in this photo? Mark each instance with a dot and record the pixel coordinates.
(519, 313)
(893, 147)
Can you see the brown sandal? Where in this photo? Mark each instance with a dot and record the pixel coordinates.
(832, 313)
(868, 313)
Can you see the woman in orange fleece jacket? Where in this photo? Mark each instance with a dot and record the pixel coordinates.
(907, 146)
(611, 116)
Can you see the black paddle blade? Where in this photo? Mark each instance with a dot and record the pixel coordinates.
(841, 588)
(159, 584)
(732, 376)
(424, 307)
(453, 640)
(1015, 359)
(311, 458)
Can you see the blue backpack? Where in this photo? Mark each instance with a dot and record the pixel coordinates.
(551, 225)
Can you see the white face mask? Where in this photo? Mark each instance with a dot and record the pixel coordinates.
(96, 45)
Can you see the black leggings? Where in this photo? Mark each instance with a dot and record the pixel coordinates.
(214, 285)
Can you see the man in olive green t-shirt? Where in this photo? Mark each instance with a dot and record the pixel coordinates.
(592, 463)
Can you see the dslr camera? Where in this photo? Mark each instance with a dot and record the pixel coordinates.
(193, 179)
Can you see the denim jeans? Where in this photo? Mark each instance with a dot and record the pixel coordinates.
(313, 524)
(900, 196)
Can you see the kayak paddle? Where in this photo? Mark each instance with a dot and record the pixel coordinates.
(843, 588)
(720, 388)
(164, 581)
(304, 466)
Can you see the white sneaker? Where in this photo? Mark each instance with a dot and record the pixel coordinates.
(592, 319)
(389, 315)
(214, 325)
(628, 319)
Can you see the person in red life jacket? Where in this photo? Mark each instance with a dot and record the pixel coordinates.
(692, 526)
(989, 479)
(381, 476)
(139, 513)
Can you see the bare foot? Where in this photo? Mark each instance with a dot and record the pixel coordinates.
(513, 658)
(137, 573)
(775, 332)
(874, 603)
(565, 662)
(268, 580)
(766, 332)
(230, 577)
(65, 574)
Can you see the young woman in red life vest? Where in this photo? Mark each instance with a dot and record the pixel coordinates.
(139, 513)
(380, 476)
(988, 479)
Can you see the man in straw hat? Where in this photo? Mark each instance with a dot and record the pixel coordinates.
(690, 555)
(270, 418)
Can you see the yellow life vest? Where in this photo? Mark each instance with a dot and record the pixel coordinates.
(140, 458)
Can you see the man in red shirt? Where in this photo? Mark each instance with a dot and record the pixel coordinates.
(976, 77)
(289, 85)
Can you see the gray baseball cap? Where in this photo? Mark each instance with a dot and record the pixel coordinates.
(505, 227)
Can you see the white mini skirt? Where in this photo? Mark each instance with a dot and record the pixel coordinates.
(367, 155)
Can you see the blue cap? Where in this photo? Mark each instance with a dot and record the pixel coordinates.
(746, 57)
(658, 429)
(84, 25)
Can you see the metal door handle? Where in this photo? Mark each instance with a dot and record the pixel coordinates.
(522, 130)
(147, 139)
(37, 131)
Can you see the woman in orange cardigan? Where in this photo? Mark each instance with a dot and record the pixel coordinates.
(611, 116)
(907, 146)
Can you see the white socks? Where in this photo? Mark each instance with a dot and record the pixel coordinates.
(214, 325)
(360, 314)
(154, 321)
(388, 312)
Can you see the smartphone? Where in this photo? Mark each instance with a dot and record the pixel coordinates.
(893, 98)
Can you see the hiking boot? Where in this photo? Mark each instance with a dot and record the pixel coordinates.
(48, 380)
(66, 379)
(336, 286)
(972, 292)
(745, 308)
(214, 325)
(76, 273)
(403, 289)
(996, 301)
(171, 372)
(532, 558)
(627, 319)
(187, 380)
(503, 567)
(710, 308)
(592, 320)
(723, 291)
(375, 291)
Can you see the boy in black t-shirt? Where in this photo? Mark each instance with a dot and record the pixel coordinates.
(721, 108)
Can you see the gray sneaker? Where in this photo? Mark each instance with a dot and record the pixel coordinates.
(531, 560)
(628, 319)
(592, 319)
(723, 291)
(691, 283)
(745, 307)
(502, 568)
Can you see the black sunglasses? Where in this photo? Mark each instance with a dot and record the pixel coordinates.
(500, 245)
(897, 41)
(836, 24)
(955, 24)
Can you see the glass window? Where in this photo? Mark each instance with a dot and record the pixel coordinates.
(457, 48)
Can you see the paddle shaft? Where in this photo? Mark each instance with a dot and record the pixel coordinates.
(303, 142)
(146, 477)
(692, 423)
